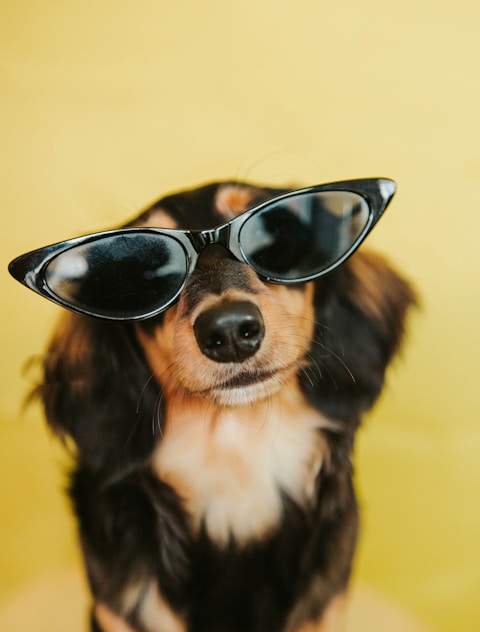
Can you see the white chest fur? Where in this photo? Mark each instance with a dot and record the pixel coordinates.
(230, 467)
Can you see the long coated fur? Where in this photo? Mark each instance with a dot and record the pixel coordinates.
(218, 497)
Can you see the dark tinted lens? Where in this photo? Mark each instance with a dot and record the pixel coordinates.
(305, 234)
(119, 276)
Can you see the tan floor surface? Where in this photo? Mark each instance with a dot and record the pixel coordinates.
(60, 604)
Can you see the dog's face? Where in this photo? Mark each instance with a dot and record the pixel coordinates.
(231, 339)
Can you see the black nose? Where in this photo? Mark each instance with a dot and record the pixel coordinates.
(230, 332)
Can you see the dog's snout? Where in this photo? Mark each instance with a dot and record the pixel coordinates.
(230, 332)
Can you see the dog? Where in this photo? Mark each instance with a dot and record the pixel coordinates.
(213, 435)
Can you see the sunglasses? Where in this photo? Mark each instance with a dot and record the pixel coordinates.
(131, 274)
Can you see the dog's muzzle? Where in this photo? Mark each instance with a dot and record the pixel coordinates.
(231, 331)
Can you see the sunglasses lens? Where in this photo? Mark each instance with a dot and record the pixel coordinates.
(304, 235)
(119, 276)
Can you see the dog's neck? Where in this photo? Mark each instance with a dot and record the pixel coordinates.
(231, 467)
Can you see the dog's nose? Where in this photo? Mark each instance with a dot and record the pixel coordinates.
(230, 332)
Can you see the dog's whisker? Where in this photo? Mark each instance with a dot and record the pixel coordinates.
(157, 414)
(142, 392)
(307, 372)
(241, 415)
(330, 353)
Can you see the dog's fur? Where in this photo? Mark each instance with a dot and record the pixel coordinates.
(217, 496)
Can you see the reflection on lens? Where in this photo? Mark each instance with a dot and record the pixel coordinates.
(119, 276)
(302, 236)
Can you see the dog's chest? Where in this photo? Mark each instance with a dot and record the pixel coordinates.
(232, 467)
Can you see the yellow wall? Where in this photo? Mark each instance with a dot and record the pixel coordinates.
(106, 105)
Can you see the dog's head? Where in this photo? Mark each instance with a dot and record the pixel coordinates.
(231, 340)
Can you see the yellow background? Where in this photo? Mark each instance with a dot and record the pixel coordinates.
(106, 105)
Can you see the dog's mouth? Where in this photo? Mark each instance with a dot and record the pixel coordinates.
(247, 378)
(247, 387)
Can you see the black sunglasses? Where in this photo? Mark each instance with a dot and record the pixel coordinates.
(134, 273)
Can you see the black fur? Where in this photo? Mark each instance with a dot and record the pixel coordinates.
(354, 346)
(98, 390)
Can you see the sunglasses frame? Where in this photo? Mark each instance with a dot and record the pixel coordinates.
(30, 268)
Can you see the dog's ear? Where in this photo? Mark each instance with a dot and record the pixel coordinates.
(360, 312)
(97, 389)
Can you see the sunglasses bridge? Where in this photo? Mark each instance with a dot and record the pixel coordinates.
(201, 239)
